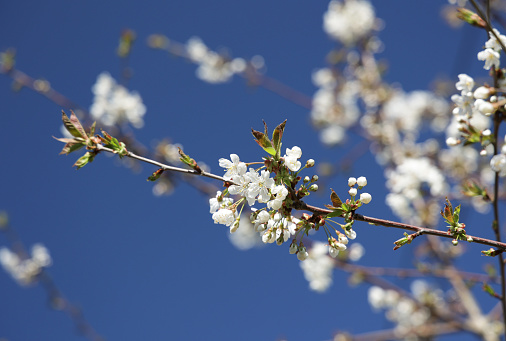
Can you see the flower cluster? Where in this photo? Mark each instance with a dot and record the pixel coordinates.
(213, 67)
(24, 269)
(275, 222)
(491, 54)
(114, 104)
(252, 186)
(474, 128)
(349, 21)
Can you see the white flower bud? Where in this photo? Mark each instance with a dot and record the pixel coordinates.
(309, 163)
(484, 107)
(293, 248)
(313, 188)
(498, 163)
(352, 182)
(452, 142)
(351, 234)
(365, 198)
(482, 92)
(302, 254)
(362, 181)
(352, 191)
(263, 217)
(486, 132)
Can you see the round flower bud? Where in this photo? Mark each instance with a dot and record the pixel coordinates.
(313, 188)
(365, 198)
(352, 192)
(309, 163)
(484, 107)
(302, 254)
(452, 142)
(362, 181)
(482, 92)
(352, 182)
(498, 163)
(293, 248)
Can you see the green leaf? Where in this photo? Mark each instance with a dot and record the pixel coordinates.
(277, 135)
(84, 160)
(447, 212)
(67, 123)
(77, 125)
(335, 213)
(456, 214)
(92, 128)
(489, 290)
(263, 142)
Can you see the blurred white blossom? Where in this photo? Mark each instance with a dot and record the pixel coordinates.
(25, 270)
(114, 104)
(349, 21)
(318, 267)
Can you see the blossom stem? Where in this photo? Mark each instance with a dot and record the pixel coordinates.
(388, 223)
(164, 166)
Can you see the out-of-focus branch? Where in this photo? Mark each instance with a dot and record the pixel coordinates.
(56, 299)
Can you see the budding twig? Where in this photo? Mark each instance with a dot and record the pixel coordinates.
(99, 147)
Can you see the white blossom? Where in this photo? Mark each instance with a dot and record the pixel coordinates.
(291, 157)
(280, 193)
(114, 104)
(224, 216)
(245, 237)
(234, 168)
(490, 57)
(25, 270)
(213, 67)
(465, 83)
(349, 21)
(317, 268)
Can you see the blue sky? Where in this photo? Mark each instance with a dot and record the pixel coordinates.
(148, 268)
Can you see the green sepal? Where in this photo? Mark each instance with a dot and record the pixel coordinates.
(156, 175)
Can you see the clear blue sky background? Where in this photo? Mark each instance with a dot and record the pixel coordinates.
(147, 268)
